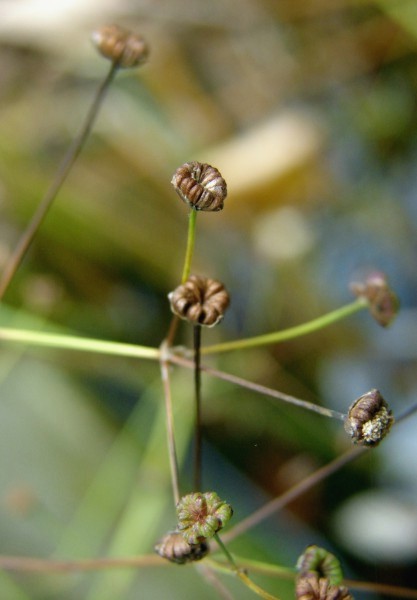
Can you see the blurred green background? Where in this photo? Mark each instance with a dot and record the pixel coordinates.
(308, 109)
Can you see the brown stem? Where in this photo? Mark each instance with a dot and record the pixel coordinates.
(294, 492)
(46, 565)
(261, 389)
(381, 588)
(69, 159)
(197, 393)
(164, 365)
(173, 326)
(214, 581)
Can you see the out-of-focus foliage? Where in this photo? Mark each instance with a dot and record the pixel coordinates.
(308, 110)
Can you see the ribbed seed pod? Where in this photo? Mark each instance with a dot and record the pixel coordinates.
(201, 186)
(313, 587)
(174, 548)
(318, 560)
(200, 300)
(383, 302)
(122, 47)
(369, 419)
(201, 515)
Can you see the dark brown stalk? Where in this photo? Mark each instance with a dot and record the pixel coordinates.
(260, 389)
(69, 159)
(294, 492)
(197, 394)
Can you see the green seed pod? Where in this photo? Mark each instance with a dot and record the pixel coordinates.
(201, 516)
(318, 560)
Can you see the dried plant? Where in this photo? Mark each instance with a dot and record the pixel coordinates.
(202, 533)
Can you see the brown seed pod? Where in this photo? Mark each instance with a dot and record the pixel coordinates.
(313, 587)
(369, 419)
(200, 300)
(174, 548)
(201, 186)
(383, 303)
(122, 47)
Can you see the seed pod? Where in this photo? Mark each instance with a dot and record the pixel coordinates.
(383, 302)
(318, 560)
(313, 587)
(201, 186)
(200, 300)
(369, 419)
(174, 548)
(200, 516)
(122, 47)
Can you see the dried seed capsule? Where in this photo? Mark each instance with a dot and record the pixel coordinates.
(200, 300)
(200, 516)
(201, 186)
(369, 419)
(313, 587)
(318, 560)
(122, 47)
(174, 548)
(383, 302)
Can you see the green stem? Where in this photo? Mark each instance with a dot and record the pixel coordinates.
(190, 244)
(67, 342)
(169, 415)
(65, 167)
(226, 552)
(292, 332)
(241, 574)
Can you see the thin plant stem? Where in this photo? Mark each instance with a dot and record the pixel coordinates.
(294, 492)
(192, 219)
(29, 564)
(211, 577)
(381, 588)
(47, 565)
(292, 332)
(172, 452)
(254, 587)
(241, 574)
(173, 326)
(280, 572)
(257, 566)
(68, 161)
(226, 552)
(261, 389)
(197, 395)
(80, 344)
(305, 484)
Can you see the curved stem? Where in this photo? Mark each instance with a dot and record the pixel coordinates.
(65, 167)
(81, 344)
(190, 244)
(241, 574)
(292, 332)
